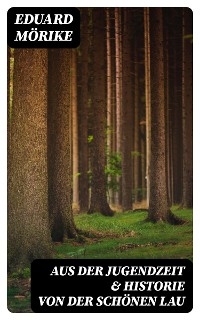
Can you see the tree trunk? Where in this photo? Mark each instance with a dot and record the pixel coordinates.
(59, 145)
(168, 83)
(118, 63)
(127, 116)
(83, 116)
(8, 101)
(143, 161)
(187, 201)
(147, 99)
(158, 204)
(98, 145)
(136, 144)
(75, 146)
(28, 225)
(109, 96)
(173, 49)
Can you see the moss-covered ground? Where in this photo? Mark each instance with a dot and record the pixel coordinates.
(125, 235)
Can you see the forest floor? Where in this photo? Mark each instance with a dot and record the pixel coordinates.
(125, 236)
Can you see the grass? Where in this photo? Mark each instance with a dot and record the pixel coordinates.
(126, 235)
(18, 295)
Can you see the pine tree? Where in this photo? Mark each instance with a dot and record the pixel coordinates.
(187, 200)
(127, 115)
(28, 224)
(83, 115)
(59, 145)
(158, 205)
(98, 155)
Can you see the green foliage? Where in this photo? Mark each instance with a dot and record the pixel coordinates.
(90, 138)
(77, 174)
(21, 274)
(113, 170)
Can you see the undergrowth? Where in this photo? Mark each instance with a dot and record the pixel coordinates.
(123, 236)
(139, 239)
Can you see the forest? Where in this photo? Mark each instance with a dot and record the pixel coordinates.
(102, 134)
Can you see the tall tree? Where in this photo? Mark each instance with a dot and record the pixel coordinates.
(109, 83)
(83, 115)
(28, 226)
(8, 98)
(158, 204)
(75, 146)
(187, 200)
(167, 16)
(98, 156)
(59, 145)
(109, 94)
(111, 169)
(127, 115)
(147, 99)
(118, 68)
(136, 141)
(173, 52)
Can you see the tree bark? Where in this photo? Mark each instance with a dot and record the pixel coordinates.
(75, 145)
(127, 116)
(109, 96)
(118, 64)
(158, 204)
(173, 49)
(83, 116)
(147, 99)
(187, 201)
(136, 143)
(59, 145)
(28, 224)
(98, 159)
